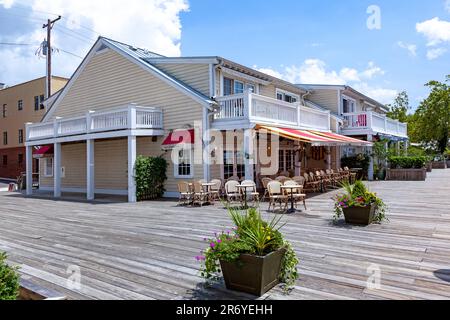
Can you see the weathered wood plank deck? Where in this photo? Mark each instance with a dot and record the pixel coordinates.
(146, 250)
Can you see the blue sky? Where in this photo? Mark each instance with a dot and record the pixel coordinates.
(301, 41)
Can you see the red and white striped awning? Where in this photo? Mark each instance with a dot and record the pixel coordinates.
(316, 138)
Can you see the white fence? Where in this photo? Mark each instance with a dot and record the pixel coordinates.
(375, 122)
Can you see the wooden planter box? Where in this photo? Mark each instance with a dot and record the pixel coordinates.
(359, 215)
(448, 163)
(253, 274)
(31, 291)
(406, 174)
(439, 165)
(429, 167)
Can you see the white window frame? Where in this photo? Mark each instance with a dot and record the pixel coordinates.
(245, 85)
(176, 174)
(234, 86)
(46, 173)
(287, 93)
(344, 97)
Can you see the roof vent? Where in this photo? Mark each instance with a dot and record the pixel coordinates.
(134, 48)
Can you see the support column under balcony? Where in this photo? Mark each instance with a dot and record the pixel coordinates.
(90, 166)
(370, 172)
(29, 170)
(131, 162)
(57, 170)
(249, 154)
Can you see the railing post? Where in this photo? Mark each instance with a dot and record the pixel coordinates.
(132, 119)
(250, 103)
(329, 121)
(299, 115)
(385, 124)
(369, 119)
(55, 126)
(246, 104)
(89, 121)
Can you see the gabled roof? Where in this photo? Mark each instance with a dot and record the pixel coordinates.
(138, 56)
(313, 87)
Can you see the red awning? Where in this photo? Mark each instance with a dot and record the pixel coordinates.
(43, 152)
(345, 139)
(179, 137)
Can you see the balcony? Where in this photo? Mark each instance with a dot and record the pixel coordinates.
(125, 118)
(252, 108)
(372, 123)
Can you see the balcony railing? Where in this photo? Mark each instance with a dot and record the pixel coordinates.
(261, 109)
(370, 121)
(124, 118)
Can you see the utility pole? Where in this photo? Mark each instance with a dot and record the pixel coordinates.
(49, 27)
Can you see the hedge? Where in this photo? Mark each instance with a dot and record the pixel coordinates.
(150, 175)
(408, 162)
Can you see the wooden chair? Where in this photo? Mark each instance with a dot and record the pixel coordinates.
(317, 178)
(352, 175)
(282, 179)
(253, 192)
(296, 193)
(232, 192)
(185, 193)
(344, 175)
(300, 180)
(264, 182)
(310, 185)
(276, 195)
(215, 190)
(326, 179)
(233, 178)
(199, 195)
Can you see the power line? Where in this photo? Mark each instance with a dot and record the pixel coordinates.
(74, 36)
(70, 53)
(16, 44)
(77, 33)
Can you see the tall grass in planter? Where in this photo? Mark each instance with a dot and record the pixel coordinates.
(150, 175)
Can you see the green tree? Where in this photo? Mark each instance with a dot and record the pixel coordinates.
(399, 109)
(432, 118)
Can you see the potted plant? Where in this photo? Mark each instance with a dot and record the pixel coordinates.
(253, 257)
(359, 206)
(9, 280)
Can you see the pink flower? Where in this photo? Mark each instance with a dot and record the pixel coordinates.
(212, 245)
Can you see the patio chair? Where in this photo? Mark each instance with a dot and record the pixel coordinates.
(276, 195)
(216, 189)
(310, 185)
(233, 178)
(185, 193)
(352, 175)
(300, 180)
(344, 175)
(264, 182)
(282, 179)
(326, 179)
(232, 192)
(296, 194)
(253, 192)
(199, 195)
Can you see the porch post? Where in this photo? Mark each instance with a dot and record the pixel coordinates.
(370, 172)
(328, 152)
(90, 179)
(386, 146)
(249, 154)
(29, 169)
(57, 171)
(131, 162)
(298, 160)
(398, 148)
(406, 147)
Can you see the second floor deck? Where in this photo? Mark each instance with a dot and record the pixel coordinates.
(362, 123)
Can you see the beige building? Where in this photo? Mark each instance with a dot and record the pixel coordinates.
(124, 101)
(20, 104)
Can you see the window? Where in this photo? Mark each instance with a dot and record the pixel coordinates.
(48, 167)
(183, 167)
(250, 87)
(20, 105)
(238, 87)
(228, 164)
(240, 164)
(5, 160)
(286, 160)
(41, 99)
(287, 96)
(348, 105)
(20, 159)
(4, 110)
(36, 103)
(5, 138)
(20, 135)
(227, 86)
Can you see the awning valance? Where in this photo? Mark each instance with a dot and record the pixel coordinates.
(43, 152)
(179, 137)
(316, 138)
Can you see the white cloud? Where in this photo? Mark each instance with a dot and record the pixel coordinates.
(315, 71)
(151, 24)
(435, 30)
(269, 71)
(447, 5)
(435, 53)
(412, 48)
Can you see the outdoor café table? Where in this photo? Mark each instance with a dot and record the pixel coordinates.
(291, 193)
(207, 187)
(244, 188)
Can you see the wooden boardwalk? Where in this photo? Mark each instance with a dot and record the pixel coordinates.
(146, 250)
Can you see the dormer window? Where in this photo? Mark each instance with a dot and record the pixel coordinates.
(287, 96)
(348, 105)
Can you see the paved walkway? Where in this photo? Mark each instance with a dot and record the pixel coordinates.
(146, 250)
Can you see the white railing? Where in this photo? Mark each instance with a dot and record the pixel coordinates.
(124, 118)
(370, 121)
(262, 109)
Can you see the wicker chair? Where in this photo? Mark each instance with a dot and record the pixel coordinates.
(296, 194)
(232, 192)
(216, 190)
(276, 195)
(185, 193)
(199, 195)
(264, 182)
(253, 193)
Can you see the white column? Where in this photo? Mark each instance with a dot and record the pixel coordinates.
(398, 148)
(298, 160)
(249, 154)
(328, 151)
(90, 166)
(386, 146)
(370, 172)
(131, 162)
(29, 169)
(57, 171)
(206, 152)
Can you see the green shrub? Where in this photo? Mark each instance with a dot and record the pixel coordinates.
(408, 162)
(9, 280)
(150, 175)
(359, 161)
